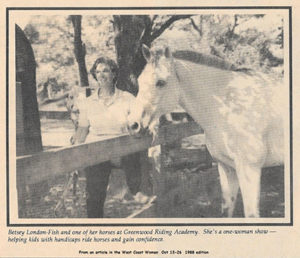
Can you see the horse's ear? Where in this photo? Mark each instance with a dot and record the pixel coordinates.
(146, 52)
(167, 52)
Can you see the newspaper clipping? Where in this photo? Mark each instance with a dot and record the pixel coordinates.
(149, 129)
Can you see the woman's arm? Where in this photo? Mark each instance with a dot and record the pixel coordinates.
(81, 123)
(80, 134)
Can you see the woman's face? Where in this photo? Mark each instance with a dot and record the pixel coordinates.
(104, 74)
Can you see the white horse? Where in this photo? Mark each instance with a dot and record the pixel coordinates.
(240, 112)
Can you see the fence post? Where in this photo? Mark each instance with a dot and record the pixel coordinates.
(146, 184)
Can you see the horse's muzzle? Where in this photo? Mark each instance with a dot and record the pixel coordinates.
(136, 129)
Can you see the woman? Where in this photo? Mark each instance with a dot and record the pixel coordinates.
(104, 112)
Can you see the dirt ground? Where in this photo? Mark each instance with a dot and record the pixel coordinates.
(59, 201)
(65, 196)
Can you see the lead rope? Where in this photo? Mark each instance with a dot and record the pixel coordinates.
(176, 73)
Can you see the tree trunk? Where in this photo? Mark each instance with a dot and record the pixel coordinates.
(79, 50)
(129, 29)
(131, 32)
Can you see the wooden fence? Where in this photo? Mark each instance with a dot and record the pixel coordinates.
(44, 165)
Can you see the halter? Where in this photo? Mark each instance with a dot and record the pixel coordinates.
(176, 73)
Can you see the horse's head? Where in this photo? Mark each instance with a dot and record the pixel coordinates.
(158, 91)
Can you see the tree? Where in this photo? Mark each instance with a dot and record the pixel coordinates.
(245, 41)
(242, 39)
(52, 40)
(131, 31)
(32, 34)
(79, 50)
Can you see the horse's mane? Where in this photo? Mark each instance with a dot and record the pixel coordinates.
(209, 60)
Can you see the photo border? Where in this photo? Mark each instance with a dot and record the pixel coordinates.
(289, 8)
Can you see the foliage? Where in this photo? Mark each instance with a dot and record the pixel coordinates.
(247, 41)
(52, 41)
(252, 41)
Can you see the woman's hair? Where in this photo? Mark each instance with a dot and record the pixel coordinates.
(111, 63)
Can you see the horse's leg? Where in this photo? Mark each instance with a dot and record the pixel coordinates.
(230, 186)
(249, 179)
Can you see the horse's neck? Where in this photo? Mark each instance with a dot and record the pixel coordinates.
(199, 86)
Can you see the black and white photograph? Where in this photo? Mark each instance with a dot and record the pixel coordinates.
(180, 116)
(149, 130)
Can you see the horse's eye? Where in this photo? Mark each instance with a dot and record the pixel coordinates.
(160, 83)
